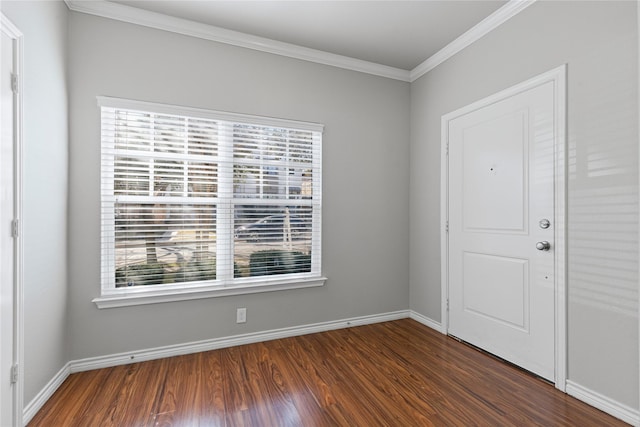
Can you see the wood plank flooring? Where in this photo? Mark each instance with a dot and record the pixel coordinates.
(398, 373)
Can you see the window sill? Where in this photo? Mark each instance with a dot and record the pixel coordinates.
(122, 299)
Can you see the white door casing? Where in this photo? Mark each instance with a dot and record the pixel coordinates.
(6, 240)
(502, 172)
(11, 299)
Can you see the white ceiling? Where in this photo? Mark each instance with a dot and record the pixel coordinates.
(399, 34)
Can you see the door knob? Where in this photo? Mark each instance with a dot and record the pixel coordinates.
(543, 246)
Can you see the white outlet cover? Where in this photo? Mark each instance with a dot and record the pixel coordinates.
(241, 315)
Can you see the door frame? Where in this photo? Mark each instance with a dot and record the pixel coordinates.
(9, 29)
(559, 78)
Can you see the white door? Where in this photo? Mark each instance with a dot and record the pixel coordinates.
(7, 254)
(501, 240)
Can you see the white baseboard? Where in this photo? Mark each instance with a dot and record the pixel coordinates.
(605, 404)
(213, 344)
(427, 321)
(45, 394)
(194, 347)
(616, 409)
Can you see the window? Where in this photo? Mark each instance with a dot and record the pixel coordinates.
(198, 203)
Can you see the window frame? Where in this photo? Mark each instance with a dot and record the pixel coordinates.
(225, 284)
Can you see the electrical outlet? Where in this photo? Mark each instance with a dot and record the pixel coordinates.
(241, 315)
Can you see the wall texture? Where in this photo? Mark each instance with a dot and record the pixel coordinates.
(366, 179)
(598, 41)
(381, 177)
(44, 26)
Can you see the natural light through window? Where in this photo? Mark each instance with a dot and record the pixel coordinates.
(199, 203)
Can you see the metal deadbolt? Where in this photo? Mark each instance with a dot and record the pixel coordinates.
(544, 223)
(543, 246)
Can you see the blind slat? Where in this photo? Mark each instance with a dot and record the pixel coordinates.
(196, 199)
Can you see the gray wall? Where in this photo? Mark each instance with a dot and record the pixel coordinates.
(598, 41)
(369, 123)
(44, 25)
(366, 179)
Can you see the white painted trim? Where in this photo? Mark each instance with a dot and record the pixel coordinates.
(426, 321)
(604, 403)
(111, 102)
(45, 394)
(444, 224)
(638, 95)
(558, 76)
(126, 299)
(194, 347)
(159, 21)
(186, 27)
(7, 27)
(490, 23)
(226, 284)
(234, 340)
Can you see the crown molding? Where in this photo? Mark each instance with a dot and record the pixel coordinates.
(159, 21)
(490, 23)
(132, 15)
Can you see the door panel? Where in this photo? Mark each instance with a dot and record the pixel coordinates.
(484, 176)
(488, 275)
(501, 184)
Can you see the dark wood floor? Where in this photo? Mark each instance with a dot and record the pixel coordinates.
(398, 373)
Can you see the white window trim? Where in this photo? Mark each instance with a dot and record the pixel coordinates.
(193, 292)
(107, 101)
(122, 297)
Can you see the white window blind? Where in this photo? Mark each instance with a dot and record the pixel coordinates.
(196, 198)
